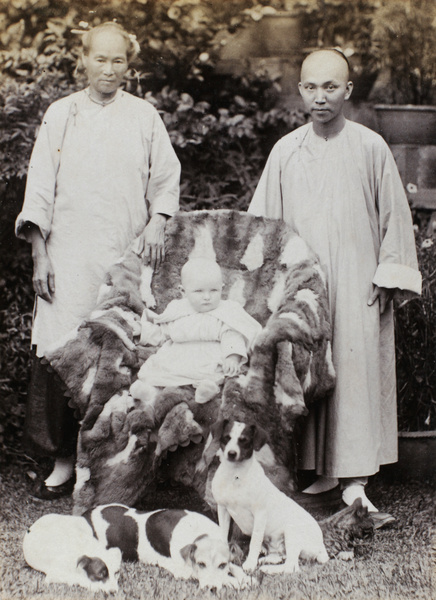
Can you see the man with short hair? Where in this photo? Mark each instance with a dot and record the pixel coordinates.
(337, 183)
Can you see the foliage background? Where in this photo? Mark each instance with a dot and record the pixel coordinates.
(222, 128)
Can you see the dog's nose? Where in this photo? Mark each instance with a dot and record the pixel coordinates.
(231, 454)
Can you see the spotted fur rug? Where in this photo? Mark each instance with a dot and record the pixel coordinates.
(125, 445)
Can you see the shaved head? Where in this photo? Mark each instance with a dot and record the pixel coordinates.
(324, 87)
(330, 60)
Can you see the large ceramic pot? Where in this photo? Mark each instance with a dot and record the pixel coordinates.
(407, 124)
(274, 44)
(416, 456)
(279, 34)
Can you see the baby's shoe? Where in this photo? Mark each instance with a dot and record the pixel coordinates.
(145, 393)
(205, 391)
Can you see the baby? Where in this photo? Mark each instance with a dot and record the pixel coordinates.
(204, 337)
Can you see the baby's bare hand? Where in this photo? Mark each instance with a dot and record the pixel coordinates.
(232, 365)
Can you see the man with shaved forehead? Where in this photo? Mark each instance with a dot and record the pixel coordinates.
(337, 183)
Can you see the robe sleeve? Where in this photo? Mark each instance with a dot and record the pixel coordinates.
(43, 167)
(233, 342)
(267, 200)
(152, 334)
(164, 179)
(397, 264)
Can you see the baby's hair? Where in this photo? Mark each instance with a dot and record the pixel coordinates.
(132, 45)
(200, 265)
(334, 51)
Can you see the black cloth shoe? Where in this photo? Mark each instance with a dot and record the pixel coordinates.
(330, 498)
(41, 491)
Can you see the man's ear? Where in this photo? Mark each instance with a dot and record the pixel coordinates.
(83, 59)
(349, 90)
(300, 85)
(181, 289)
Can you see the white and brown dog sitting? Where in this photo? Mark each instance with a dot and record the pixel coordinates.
(186, 543)
(65, 549)
(244, 493)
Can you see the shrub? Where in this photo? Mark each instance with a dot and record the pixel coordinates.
(223, 149)
(16, 296)
(416, 346)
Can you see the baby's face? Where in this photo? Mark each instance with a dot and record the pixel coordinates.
(203, 291)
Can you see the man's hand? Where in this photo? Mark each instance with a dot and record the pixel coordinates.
(43, 276)
(231, 365)
(384, 295)
(43, 273)
(152, 241)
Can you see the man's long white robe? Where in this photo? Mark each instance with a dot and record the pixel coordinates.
(344, 196)
(96, 175)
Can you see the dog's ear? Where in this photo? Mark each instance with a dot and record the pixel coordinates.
(218, 428)
(83, 561)
(94, 567)
(259, 437)
(188, 553)
(236, 553)
(360, 511)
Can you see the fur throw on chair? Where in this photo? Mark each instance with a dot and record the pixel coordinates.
(124, 442)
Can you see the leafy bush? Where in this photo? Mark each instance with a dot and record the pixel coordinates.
(404, 48)
(16, 297)
(223, 150)
(416, 346)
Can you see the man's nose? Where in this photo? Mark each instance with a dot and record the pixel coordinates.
(108, 68)
(320, 96)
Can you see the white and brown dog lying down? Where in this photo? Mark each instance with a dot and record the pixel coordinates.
(186, 543)
(64, 548)
(244, 493)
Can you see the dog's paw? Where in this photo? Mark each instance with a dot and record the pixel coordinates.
(282, 568)
(249, 565)
(271, 559)
(346, 555)
(241, 580)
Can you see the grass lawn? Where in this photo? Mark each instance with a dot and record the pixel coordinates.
(398, 565)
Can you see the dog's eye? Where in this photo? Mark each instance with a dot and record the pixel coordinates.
(202, 565)
(226, 439)
(222, 566)
(243, 440)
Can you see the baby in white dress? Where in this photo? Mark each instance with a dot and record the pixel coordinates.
(204, 338)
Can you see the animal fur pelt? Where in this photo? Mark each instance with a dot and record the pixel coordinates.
(123, 440)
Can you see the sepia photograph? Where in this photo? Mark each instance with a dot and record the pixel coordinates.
(217, 299)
